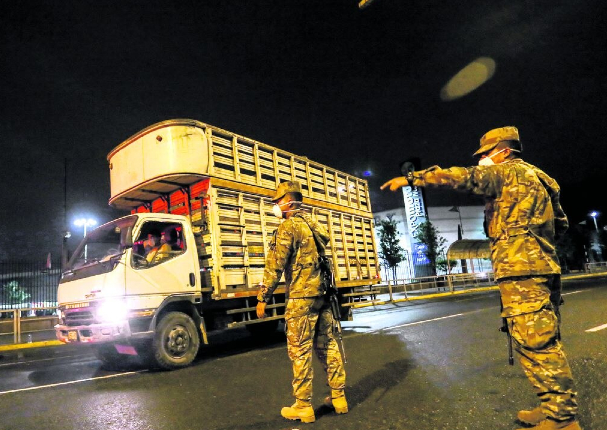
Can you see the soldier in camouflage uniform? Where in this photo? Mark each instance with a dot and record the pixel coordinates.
(308, 318)
(523, 220)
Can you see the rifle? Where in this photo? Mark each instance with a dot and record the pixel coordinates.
(327, 280)
(331, 290)
(557, 301)
(505, 329)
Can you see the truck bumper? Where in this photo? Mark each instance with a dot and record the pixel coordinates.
(94, 333)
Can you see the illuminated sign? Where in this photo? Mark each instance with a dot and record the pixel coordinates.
(416, 215)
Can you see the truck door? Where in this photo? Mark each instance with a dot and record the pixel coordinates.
(163, 260)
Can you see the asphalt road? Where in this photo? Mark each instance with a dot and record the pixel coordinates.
(416, 366)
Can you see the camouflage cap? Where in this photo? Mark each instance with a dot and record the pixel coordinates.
(493, 137)
(286, 187)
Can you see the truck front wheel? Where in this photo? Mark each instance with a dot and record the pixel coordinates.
(106, 353)
(176, 341)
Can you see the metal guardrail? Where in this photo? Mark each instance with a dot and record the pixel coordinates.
(596, 267)
(17, 318)
(25, 282)
(436, 283)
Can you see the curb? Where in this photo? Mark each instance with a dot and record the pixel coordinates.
(30, 345)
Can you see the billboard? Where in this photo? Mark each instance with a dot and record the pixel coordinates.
(416, 215)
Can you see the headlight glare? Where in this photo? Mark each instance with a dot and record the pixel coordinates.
(112, 311)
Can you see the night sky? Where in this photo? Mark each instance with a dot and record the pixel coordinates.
(355, 89)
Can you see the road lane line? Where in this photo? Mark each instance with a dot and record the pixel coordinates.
(572, 292)
(39, 387)
(423, 322)
(597, 328)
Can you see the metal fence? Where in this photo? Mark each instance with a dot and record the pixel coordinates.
(596, 267)
(29, 285)
(451, 283)
(415, 266)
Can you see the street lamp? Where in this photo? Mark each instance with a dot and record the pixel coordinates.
(461, 225)
(85, 222)
(460, 235)
(595, 214)
(596, 242)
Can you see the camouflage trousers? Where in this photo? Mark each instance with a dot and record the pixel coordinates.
(309, 325)
(534, 327)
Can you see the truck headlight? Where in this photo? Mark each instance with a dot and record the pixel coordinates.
(112, 311)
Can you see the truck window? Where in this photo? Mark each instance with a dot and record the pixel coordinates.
(103, 243)
(157, 243)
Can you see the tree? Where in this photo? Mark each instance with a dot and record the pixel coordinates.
(427, 235)
(14, 293)
(445, 266)
(390, 251)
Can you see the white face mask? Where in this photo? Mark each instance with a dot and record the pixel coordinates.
(278, 212)
(488, 161)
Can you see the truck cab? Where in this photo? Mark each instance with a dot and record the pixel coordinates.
(115, 286)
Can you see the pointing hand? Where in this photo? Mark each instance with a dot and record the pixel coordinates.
(396, 183)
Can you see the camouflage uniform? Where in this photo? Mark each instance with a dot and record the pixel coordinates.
(523, 216)
(308, 318)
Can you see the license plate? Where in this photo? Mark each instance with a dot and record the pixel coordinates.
(72, 335)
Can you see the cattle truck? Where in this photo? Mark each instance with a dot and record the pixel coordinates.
(207, 191)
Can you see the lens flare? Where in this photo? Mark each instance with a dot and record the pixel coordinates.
(468, 79)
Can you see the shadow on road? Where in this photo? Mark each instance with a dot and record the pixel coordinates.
(384, 379)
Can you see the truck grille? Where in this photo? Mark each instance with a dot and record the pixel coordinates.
(79, 317)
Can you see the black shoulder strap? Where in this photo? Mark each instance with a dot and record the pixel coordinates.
(319, 248)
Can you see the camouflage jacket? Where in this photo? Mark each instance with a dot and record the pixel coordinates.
(522, 212)
(292, 251)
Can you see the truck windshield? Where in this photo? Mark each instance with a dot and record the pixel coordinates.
(103, 243)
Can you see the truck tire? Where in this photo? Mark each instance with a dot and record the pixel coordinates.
(176, 341)
(106, 353)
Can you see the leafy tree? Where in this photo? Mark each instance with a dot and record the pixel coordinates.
(390, 251)
(444, 266)
(14, 293)
(428, 235)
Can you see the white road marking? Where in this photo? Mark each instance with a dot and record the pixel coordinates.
(39, 387)
(572, 292)
(597, 328)
(423, 322)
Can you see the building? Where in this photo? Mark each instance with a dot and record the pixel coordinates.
(447, 220)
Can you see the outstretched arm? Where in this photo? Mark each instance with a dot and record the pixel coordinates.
(483, 180)
(396, 183)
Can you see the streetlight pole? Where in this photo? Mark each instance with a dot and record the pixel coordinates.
(460, 236)
(461, 224)
(85, 222)
(596, 246)
(594, 214)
